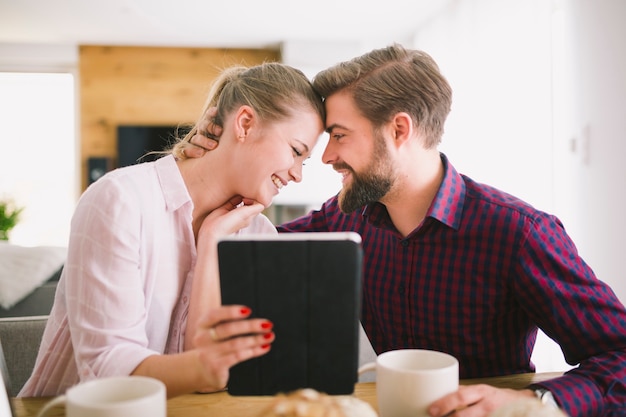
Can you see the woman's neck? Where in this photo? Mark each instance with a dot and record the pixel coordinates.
(207, 185)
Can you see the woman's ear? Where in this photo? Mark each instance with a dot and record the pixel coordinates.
(245, 118)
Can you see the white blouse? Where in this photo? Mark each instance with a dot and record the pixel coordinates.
(122, 295)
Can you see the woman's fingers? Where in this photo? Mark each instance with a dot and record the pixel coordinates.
(228, 336)
(230, 217)
(234, 329)
(218, 360)
(231, 322)
(242, 348)
(225, 313)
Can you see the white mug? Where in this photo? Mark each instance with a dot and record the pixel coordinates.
(409, 380)
(125, 396)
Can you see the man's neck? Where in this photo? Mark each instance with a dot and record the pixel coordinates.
(414, 191)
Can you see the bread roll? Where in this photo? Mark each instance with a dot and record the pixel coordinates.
(311, 403)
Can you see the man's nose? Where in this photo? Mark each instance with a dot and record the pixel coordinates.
(329, 156)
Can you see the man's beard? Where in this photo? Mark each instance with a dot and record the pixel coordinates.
(370, 185)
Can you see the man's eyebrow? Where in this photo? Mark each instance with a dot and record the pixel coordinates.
(335, 126)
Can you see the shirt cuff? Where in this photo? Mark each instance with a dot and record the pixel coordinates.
(575, 394)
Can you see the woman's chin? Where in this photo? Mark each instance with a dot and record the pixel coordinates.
(266, 200)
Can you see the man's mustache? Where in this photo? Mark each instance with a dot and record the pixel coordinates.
(342, 166)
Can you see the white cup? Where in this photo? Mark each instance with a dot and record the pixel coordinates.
(409, 380)
(125, 396)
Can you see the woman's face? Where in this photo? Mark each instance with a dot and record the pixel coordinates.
(272, 154)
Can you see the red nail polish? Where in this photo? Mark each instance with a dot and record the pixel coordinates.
(266, 325)
(245, 311)
(265, 347)
(267, 336)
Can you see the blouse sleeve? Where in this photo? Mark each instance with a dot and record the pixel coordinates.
(106, 301)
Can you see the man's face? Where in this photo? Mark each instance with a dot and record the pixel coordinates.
(358, 153)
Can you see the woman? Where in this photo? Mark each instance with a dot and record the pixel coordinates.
(140, 293)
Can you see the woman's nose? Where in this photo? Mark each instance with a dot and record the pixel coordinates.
(296, 172)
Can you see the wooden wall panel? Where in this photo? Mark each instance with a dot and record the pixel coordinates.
(146, 85)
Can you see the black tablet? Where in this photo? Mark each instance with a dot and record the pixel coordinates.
(309, 286)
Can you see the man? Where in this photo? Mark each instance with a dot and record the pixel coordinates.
(451, 264)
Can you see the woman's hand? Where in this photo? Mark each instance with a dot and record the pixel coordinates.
(205, 291)
(475, 401)
(226, 337)
(207, 137)
(233, 215)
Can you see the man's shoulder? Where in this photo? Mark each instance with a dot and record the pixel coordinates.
(481, 196)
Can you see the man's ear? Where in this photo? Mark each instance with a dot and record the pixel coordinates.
(401, 127)
(245, 118)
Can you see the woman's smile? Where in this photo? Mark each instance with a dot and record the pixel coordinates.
(279, 183)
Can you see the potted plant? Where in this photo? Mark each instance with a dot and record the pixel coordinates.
(9, 216)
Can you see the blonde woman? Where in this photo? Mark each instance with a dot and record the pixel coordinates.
(139, 294)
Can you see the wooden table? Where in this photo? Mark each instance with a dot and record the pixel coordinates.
(224, 405)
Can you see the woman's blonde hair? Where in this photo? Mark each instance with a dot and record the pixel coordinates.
(272, 89)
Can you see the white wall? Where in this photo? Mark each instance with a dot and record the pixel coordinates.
(39, 169)
(595, 122)
(496, 56)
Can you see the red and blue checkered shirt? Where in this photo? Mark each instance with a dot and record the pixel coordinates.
(476, 279)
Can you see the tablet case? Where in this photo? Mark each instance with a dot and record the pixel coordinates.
(309, 286)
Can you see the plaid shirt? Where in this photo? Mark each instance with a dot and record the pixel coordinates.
(476, 278)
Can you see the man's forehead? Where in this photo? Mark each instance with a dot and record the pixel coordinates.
(340, 110)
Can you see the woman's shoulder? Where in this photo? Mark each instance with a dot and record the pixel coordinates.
(129, 180)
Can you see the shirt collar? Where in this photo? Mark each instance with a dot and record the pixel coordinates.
(447, 206)
(172, 184)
